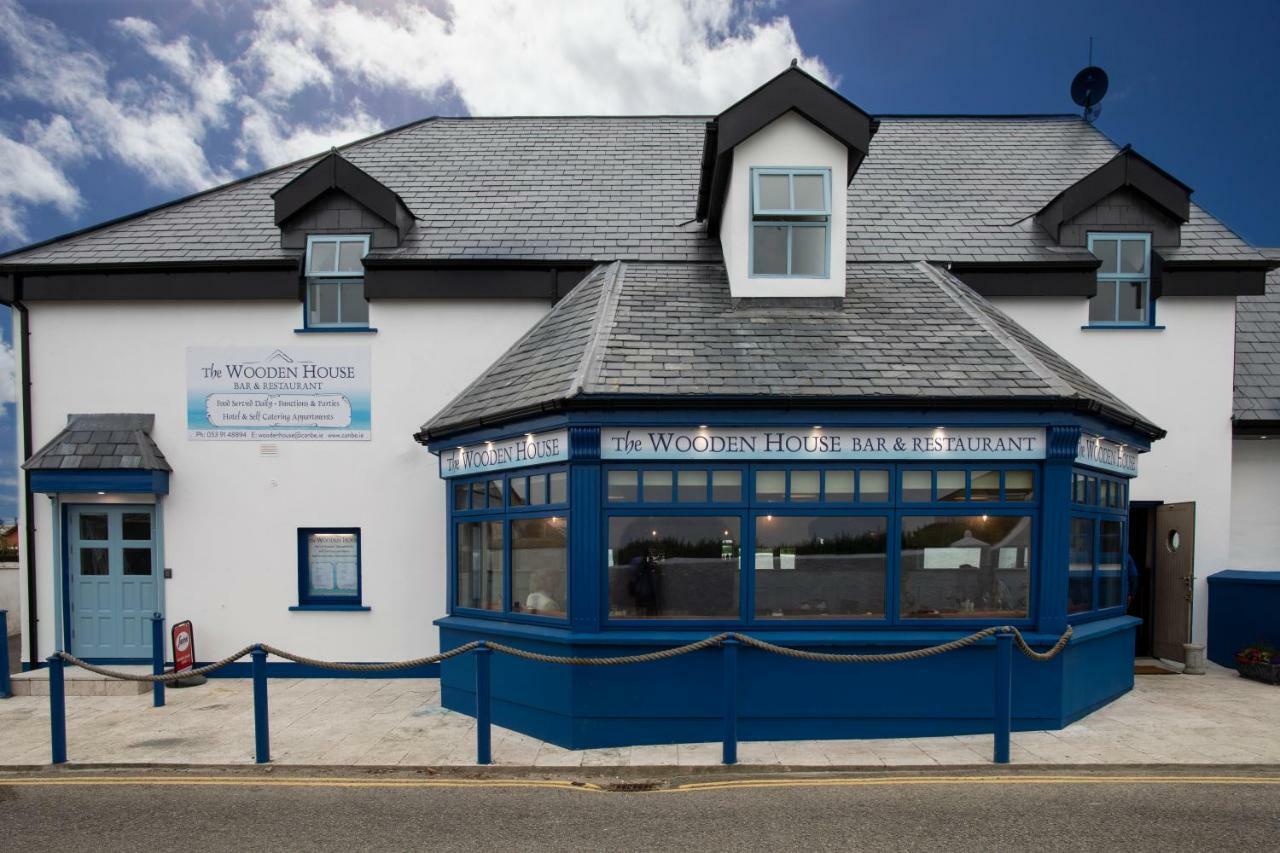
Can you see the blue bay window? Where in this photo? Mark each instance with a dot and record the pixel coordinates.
(1098, 543)
(790, 223)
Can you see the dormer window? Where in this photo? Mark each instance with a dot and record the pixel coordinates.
(1124, 280)
(335, 282)
(790, 223)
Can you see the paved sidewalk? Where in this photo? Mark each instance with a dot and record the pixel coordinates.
(1167, 719)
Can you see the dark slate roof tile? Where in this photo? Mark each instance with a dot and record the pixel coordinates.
(1257, 381)
(104, 441)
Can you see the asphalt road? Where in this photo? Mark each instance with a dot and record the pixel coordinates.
(75, 811)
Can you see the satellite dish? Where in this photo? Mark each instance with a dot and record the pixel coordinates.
(1088, 89)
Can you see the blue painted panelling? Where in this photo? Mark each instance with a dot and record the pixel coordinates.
(127, 482)
(1244, 610)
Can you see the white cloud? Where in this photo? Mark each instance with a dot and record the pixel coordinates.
(28, 177)
(8, 376)
(267, 138)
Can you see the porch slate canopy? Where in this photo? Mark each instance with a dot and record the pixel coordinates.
(101, 452)
(904, 333)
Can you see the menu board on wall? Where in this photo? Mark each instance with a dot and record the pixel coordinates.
(333, 560)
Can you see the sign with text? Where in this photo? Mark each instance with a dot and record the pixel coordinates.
(183, 636)
(278, 393)
(333, 561)
(1097, 452)
(841, 444)
(529, 449)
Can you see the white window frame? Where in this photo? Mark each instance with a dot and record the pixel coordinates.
(790, 218)
(1118, 277)
(337, 277)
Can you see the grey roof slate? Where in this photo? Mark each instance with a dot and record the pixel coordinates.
(601, 188)
(117, 442)
(1257, 384)
(906, 330)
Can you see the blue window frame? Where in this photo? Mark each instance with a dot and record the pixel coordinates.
(335, 298)
(329, 569)
(790, 233)
(1124, 280)
(1097, 583)
(509, 541)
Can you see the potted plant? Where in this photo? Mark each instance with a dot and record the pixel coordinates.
(1261, 662)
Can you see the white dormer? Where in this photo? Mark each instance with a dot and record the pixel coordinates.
(776, 168)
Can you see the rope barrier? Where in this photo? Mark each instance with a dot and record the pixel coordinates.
(372, 667)
(166, 677)
(664, 654)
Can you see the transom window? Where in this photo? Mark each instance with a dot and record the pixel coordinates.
(1124, 280)
(790, 222)
(335, 282)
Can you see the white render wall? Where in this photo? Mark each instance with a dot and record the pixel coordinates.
(231, 518)
(1181, 378)
(789, 141)
(1255, 505)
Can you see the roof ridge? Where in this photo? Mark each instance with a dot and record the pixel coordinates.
(601, 327)
(1038, 367)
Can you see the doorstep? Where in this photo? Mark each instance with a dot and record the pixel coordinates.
(81, 682)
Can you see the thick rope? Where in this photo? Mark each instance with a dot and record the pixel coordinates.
(1035, 655)
(645, 658)
(166, 677)
(889, 657)
(372, 667)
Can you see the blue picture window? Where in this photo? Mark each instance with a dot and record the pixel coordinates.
(1124, 280)
(329, 568)
(1096, 578)
(790, 223)
(335, 297)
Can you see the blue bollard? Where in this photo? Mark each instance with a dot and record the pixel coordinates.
(483, 698)
(730, 755)
(261, 734)
(6, 687)
(1004, 696)
(57, 710)
(157, 658)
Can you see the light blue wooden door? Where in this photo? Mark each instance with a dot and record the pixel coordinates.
(114, 580)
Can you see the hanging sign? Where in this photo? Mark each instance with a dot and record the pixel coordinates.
(834, 444)
(530, 449)
(1098, 452)
(278, 393)
(184, 646)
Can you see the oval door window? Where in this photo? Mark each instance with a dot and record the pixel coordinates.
(1173, 542)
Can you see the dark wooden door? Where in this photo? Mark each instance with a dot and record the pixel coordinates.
(1175, 548)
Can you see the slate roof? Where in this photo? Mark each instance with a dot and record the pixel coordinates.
(904, 331)
(116, 442)
(1257, 388)
(624, 188)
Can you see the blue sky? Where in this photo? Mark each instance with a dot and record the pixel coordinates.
(112, 106)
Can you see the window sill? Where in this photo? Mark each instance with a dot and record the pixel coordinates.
(1119, 327)
(355, 608)
(348, 330)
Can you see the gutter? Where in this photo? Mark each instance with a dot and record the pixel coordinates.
(28, 497)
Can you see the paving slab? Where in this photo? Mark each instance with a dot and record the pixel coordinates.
(1217, 718)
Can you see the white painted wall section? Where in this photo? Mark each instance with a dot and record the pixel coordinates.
(1255, 505)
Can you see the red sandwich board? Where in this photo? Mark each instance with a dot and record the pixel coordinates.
(184, 646)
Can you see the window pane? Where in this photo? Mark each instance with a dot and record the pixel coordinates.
(517, 491)
(93, 527)
(1106, 252)
(917, 486)
(771, 485)
(333, 565)
(1019, 485)
(986, 485)
(323, 257)
(477, 495)
(1102, 307)
(1110, 563)
(691, 486)
(355, 308)
(624, 486)
(540, 566)
(839, 487)
(349, 256)
(1133, 302)
(1080, 566)
(495, 493)
(137, 561)
(93, 561)
(1133, 256)
(809, 250)
(322, 304)
(873, 486)
(820, 567)
(137, 526)
(769, 250)
(775, 192)
(479, 566)
(460, 492)
(538, 490)
(668, 567)
(809, 192)
(966, 567)
(805, 485)
(726, 485)
(950, 485)
(1079, 493)
(559, 486)
(657, 486)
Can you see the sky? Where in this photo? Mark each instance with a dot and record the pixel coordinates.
(111, 106)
